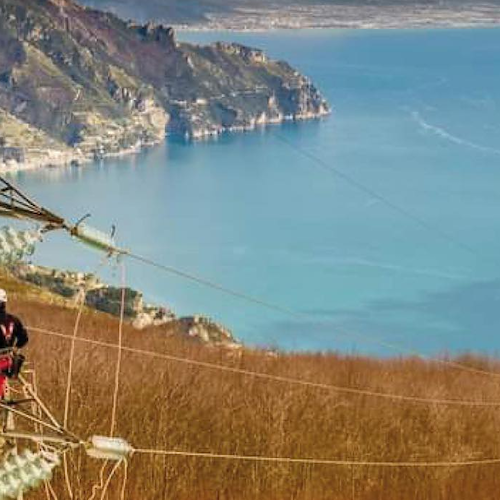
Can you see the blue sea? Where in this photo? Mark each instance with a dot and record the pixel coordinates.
(412, 258)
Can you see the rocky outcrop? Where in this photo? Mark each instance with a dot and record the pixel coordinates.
(108, 299)
(248, 54)
(78, 84)
(242, 89)
(207, 331)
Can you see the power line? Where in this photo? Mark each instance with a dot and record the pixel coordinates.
(298, 315)
(317, 461)
(374, 194)
(104, 242)
(213, 285)
(278, 378)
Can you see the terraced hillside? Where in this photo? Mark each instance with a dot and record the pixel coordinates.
(77, 83)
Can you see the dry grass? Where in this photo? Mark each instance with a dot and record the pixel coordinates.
(168, 406)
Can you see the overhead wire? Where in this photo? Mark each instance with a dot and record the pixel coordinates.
(288, 311)
(316, 461)
(377, 196)
(299, 315)
(212, 284)
(296, 314)
(278, 378)
(206, 455)
(319, 162)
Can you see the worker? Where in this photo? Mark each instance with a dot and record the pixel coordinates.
(13, 336)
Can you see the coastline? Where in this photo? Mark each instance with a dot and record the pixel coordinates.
(60, 159)
(349, 17)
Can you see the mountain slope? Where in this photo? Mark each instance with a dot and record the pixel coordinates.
(79, 83)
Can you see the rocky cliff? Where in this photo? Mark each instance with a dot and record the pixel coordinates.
(77, 84)
(106, 298)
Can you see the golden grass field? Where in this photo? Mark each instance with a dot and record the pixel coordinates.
(170, 405)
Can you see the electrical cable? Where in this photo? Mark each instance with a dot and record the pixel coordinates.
(278, 378)
(314, 461)
(269, 305)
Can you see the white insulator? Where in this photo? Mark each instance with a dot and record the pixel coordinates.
(28, 455)
(94, 238)
(16, 242)
(28, 473)
(18, 460)
(14, 482)
(4, 485)
(20, 473)
(35, 472)
(9, 467)
(26, 478)
(14, 245)
(109, 448)
(42, 469)
(24, 237)
(45, 464)
(5, 490)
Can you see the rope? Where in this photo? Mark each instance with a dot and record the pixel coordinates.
(298, 315)
(50, 494)
(38, 428)
(66, 477)
(33, 391)
(49, 487)
(125, 479)
(71, 358)
(283, 379)
(100, 485)
(120, 351)
(68, 387)
(314, 461)
(70, 375)
(108, 481)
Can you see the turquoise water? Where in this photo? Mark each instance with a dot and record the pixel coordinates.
(416, 119)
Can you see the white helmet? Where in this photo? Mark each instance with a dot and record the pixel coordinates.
(3, 295)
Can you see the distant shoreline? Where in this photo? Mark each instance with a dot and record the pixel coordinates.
(349, 17)
(59, 159)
